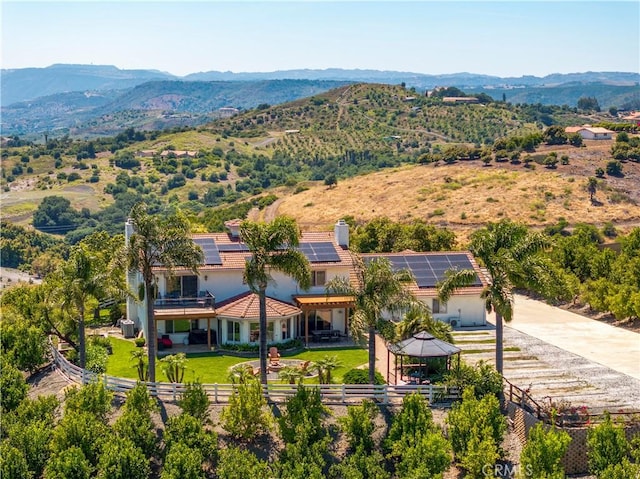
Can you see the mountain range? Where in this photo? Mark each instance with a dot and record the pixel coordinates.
(103, 99)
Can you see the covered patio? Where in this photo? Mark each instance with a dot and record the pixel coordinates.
(338, 328)
(415, 353)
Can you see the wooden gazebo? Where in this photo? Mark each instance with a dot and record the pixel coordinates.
(420, 347)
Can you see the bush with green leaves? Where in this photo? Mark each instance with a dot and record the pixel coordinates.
(303, 413)
(97, 357)
(415, 443)
(483, 377)
(123, 460)
(195, 401)
(358, 425)
(13, 464)
(303, 459)
(236, 463)
(182, 462)
(606, 445)
(625, 470)
(83, 430)
(543, 453)
(361, 464)
(476, 429)
(33, 440)
(361, 376)
(246, 416)
(188, 430)
(24, 345)
(68, 464)
(93, 398)
(13, 386)
(139, 399)
(137, 427)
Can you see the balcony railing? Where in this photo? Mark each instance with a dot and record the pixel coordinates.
(204, 302)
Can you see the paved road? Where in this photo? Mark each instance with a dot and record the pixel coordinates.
(615, 348)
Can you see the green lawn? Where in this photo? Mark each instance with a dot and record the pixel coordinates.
(211, 369)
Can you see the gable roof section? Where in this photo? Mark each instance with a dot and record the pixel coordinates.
(247, 306)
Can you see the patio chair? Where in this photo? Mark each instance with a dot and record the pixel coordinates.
(304, 366)
(274, 355)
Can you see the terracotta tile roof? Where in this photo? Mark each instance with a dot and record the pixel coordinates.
(247, 306)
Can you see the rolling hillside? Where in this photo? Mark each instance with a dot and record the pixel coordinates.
(307, 158)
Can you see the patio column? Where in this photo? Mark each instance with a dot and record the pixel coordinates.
(346, 322)
(306, 327)
(209, 333)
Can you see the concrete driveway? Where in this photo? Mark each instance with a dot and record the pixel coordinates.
(613, 347)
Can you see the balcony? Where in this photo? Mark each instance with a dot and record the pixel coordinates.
(182, 307)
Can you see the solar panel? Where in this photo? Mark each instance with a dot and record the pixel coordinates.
(232, 247)
(430, 269)
(210, 250)
(324, 252)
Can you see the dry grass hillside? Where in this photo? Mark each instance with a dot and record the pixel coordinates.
(465, 196)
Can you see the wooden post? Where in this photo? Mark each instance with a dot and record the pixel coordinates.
(306, 327)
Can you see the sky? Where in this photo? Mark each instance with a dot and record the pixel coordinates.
(502, 38)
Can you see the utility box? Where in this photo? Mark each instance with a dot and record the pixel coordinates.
(127, 328)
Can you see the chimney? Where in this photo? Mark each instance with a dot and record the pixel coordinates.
(234, 227)
(341, 233)
(128, 230)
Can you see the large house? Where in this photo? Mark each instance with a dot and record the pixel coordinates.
(215, 306)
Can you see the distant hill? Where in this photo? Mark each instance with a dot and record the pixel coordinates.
(31, 83)
(97, 100)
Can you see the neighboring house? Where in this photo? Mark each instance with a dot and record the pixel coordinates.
(460, 99)
(146, 153)
(218, 301)
(178, 153)
(588, 132)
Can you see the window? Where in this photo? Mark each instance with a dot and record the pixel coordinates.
(254, 332)
(177, 326)
(318, 278)
(437, 307)
(233, 331)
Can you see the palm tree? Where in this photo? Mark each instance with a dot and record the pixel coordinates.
(325, 367)
(159, 241)
(290, 374)
(513, 258)
(82, 277)
(273, 247)
(418, 318)
(377, 288)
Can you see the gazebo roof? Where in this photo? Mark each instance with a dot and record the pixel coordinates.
(423, 345)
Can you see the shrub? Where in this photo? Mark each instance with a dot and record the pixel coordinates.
(245, 416)
(182, 462)
(606, 446)
(83, 430)
(236, 463)
(358, 425)
(414, 418)
(174, 367)
(13, 464)
(68, 464)
(137, 427)
(33, 440)
(542, 454)
(194, 401)
(482, 377)
(138, 399)
(427, 455)
(92, 398)
(188, 430)
(13, 387)
(476, 428)
(624, 470)
(361, 376)
(361, 464)
(97, 357)
(123, 460)
(303, 413)
(614, 168)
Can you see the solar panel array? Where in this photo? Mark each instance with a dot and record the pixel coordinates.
(232, 247)
(210, 250)
(430, 269)
(322, 252)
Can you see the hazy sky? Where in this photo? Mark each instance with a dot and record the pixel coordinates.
(506, 38)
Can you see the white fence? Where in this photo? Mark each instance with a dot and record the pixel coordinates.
(220, 393)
